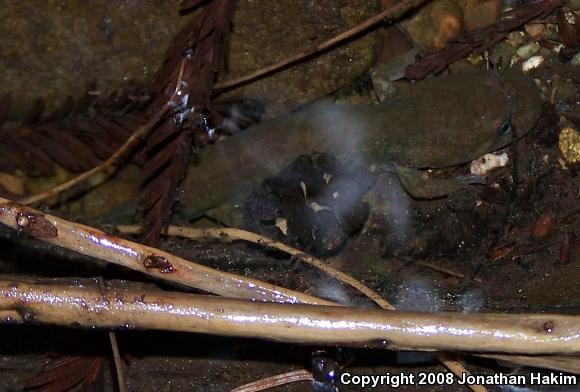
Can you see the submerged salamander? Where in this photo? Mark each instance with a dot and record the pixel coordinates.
(440, 122)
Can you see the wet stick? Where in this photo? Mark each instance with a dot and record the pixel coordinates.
(156, 263)
(160, 310)
(230, 234)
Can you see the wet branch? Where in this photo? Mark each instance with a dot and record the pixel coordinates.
(154, 309)
(231, 234)
(156, 263)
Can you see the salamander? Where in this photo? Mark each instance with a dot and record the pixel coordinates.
(440, 122)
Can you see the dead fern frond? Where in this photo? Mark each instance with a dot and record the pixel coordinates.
(67, 372)
(185, 81)
(70, 137)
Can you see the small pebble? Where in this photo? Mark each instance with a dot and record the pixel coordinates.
(569, 143)
(534, 30)
(532, 63)
(488, 162)
(576, 59)
(544, 226)
(528, 50)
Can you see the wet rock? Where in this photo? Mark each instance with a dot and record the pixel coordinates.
(502, 54)
(534, 30)
(480, 14)
(289, 26)
(569, 144)
(435, 24)
(562, 90)
(532, 63)
(485, 164)
(52, 49)
(528, 50)
(443, 20)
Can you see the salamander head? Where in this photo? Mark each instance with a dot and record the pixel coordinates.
(526, 104)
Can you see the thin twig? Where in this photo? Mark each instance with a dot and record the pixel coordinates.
(457, 368)
(391, 13)
(275, 381)
(156, 263)
(440, 269)
(121, 384)
(229, 234)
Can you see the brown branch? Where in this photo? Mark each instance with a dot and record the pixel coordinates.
(229, 234)
(159, 310)
(156, 263)
(389, 14)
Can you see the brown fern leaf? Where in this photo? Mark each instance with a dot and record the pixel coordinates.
(69, 137)
(67, 372)
(184, 82)
(479, 40)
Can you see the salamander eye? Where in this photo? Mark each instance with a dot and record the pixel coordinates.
(504, 128)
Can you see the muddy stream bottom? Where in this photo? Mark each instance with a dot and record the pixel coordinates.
(483, 249)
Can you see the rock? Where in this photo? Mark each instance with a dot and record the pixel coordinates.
(488, 162)
(502, 55)
(562, 91)
(435, 24)
(52, 49)
(480, 14)
(528, 50)
(575, 59)
(12, 183)
(287, 27)
(534, 30)
(441, 21)
(569, 27)
(569, 143)
(532, 63)
(383, 74)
